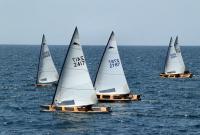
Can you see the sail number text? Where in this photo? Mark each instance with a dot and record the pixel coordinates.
(46, 54)
(78, 61)
(114, 63)
(173, 55)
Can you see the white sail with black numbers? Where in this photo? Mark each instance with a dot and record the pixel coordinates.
(179, 55)
(75, 87)
(110, 78)
(47, 72)
(172, 64)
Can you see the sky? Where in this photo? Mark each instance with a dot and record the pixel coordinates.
(135, 22)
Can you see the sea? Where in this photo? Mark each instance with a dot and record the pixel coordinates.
(168, 106)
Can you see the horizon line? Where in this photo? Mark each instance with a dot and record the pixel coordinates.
(89, 45)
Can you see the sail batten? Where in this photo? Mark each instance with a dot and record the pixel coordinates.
(47, 72)
(74, 87)
(110, 78)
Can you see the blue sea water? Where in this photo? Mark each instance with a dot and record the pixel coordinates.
(168, 106)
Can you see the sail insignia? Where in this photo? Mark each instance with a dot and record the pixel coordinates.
(173, 55)
(46, 54)
(75, 43)
(111, 47)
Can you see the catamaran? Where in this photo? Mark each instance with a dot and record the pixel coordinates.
(46, 73)
(174, 64)
(75, 91)
(110, 82)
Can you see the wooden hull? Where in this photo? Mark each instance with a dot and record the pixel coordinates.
(118, 98)
(183, 75)
(91, 109)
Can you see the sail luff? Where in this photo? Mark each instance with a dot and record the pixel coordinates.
(179, 54)
(41, 47)
(176, 41)
(168, 51)
(102, 57)
(63, 64)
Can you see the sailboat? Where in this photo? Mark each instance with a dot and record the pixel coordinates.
(174, 64)
(75, 91)
(46, 73)
(110, 82)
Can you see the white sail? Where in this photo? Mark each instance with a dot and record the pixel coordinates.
(75, 87)
(172, 64)
(47, 72)
(179, 55)
(110, 77)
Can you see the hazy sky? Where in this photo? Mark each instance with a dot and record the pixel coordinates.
(135, 22)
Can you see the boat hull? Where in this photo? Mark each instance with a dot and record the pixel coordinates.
(183, 75)
(50, 108)
(118, 98)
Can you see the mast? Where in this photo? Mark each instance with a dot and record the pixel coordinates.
(64, 64)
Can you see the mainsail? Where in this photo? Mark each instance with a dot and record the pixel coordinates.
(47, 72)
(110, 78)
(179, 55)
(75, 87)
(172, 64)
